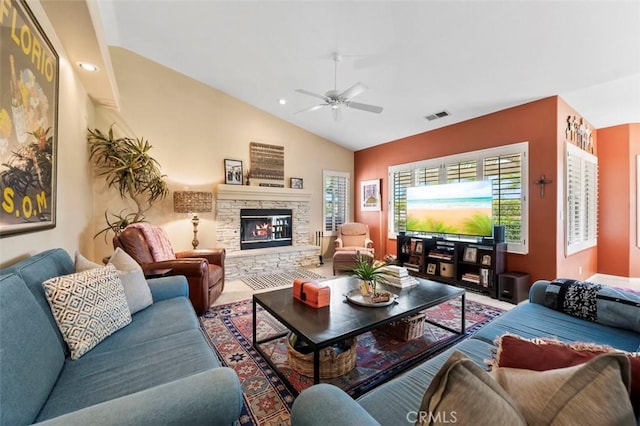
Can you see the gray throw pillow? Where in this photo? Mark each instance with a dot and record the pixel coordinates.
(454, 397)
(594, 393)
(132, 277)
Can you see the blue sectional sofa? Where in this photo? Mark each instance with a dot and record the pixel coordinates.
(392, 402)
(159, 369)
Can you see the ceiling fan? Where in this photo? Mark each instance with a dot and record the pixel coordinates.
(335, 99)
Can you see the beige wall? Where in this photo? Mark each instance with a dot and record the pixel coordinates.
(193, 128)
(74, 194)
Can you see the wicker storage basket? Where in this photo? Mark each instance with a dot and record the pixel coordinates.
(408, 328)
(332, 364)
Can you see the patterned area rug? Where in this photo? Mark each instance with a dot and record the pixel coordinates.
(267, 401)
(282, 279)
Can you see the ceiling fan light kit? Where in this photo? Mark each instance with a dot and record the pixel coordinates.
(336, 99)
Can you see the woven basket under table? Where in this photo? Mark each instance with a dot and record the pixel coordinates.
(408, 328)
(332, 364)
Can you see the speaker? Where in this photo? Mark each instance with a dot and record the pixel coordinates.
(498, 233)
(513, 287)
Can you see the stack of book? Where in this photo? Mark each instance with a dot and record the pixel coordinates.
(472, 278)
(398, 276)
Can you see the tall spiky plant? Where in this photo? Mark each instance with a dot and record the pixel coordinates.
(127, 167)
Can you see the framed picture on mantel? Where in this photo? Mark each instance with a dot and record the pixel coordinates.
(233, 172)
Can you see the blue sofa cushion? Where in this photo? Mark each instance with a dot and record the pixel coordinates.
(533, 320)
(161, 319)
(37, 269)
(31, 354)
(595, 302)
(103, 377)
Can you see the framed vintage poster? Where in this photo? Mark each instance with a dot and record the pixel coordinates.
(370, 195)
(233, 172)
(29, 69)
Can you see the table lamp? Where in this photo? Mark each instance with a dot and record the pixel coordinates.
(193, 202)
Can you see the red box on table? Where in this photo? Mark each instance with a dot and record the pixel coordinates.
(311, 292)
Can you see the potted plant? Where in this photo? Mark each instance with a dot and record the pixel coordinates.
(129, 168)
(371, 272)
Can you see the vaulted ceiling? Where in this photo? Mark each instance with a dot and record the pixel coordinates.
(468, 58)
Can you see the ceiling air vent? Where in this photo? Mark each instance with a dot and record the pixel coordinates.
(437, 115)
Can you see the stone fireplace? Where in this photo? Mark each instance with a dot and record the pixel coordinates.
(231, 200)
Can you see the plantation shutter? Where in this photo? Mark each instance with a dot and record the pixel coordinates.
(506, 166)
(464, 171)
(505, 172)
(402, 180)
(336, 207)
(582, 199)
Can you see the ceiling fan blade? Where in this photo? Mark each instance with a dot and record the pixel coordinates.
(315, 95)
(313, 108)
(353, 91)
(364, 107)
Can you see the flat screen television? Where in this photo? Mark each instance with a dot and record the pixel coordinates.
(463, 208)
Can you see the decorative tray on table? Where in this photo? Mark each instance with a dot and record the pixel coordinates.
(355, 296)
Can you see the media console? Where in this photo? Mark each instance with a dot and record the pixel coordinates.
(472, 265)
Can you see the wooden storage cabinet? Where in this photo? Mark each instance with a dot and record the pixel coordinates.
(475, 266)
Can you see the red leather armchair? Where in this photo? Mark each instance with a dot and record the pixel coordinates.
(203, 268)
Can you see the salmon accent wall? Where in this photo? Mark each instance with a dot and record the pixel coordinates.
(618, 201)
(536, 122)
(634, 250)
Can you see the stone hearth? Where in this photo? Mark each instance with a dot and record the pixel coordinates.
(230, 199)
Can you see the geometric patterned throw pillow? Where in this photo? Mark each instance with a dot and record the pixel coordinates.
(88, 307)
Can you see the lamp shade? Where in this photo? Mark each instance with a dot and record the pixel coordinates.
(192, 202)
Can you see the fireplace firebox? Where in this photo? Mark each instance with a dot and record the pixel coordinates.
(261, 228)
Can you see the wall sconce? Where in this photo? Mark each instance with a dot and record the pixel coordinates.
(193, 202)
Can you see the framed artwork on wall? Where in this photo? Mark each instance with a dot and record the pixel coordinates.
(233, 172)
(370, 195)
(29, 66)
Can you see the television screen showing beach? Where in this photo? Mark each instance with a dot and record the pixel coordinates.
(458, 208)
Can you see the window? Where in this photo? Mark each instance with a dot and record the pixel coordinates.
(506, 166)
(336, 199)
(582, 199)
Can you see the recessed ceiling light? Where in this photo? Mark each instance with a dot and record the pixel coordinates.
(87, 66)
(282, 101)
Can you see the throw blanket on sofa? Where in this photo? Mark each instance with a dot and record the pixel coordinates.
(157, 240)
(576, 298)
(595, 302)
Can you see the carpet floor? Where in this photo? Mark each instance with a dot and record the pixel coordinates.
(281, 279)
(267, 401)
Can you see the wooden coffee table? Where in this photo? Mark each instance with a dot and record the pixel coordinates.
(341, 320)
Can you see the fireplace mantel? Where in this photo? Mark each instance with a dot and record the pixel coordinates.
(260, 193)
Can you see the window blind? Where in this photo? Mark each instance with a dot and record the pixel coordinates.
(582, 199)
(336, 196)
